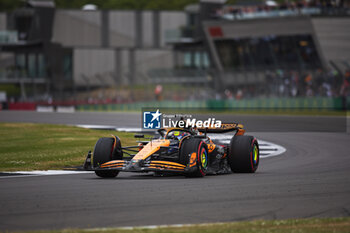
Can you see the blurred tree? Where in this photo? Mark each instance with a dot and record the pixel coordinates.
(8, 5)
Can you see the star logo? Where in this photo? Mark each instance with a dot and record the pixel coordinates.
(156, 115)
(152, 120)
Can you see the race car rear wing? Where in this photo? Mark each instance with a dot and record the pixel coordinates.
(225, 127)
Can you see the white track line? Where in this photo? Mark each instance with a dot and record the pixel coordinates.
(131, 130)
(268, 149)
(41, 173)
(106, 127)
(150, 227)
(111, 127)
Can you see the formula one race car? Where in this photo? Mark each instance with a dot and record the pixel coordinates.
(186, 151)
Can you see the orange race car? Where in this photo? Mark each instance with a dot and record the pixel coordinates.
(188, 151)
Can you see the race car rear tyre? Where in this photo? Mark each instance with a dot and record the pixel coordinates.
(201, 163)
(243, 154)
(105, 151)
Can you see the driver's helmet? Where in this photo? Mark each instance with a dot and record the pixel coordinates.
(179, 134)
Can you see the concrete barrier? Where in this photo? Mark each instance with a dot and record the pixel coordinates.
(65, 109)
(40, 108)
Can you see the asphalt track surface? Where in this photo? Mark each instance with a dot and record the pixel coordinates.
(311, 179)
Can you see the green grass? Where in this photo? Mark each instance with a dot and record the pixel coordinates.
(261, 226)
(42, 146)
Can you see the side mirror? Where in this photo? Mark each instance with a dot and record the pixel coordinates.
(139, 136)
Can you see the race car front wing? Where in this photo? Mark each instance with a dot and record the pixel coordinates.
(137, 166)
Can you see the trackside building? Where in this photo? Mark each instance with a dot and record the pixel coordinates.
(57, 52)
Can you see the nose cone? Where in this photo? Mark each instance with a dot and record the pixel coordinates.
(134, 165)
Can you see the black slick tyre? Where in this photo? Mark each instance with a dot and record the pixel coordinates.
(199, 166)
(105, 151)
(243, 154)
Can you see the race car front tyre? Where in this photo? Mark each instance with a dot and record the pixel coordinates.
(194, 154)
(104, 151)
(243, 154)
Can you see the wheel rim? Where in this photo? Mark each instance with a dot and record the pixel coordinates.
(204, 158)
(255, 154)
